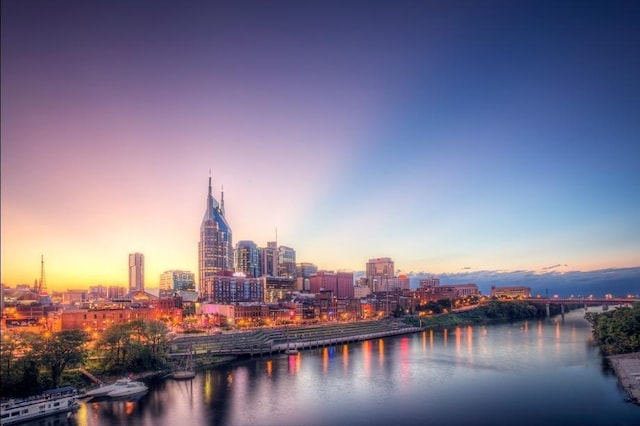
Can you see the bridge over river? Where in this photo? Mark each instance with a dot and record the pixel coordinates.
(586, 301)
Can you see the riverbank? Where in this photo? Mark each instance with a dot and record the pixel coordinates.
(627, 369)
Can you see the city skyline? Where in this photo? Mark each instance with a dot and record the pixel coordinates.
(449, 137)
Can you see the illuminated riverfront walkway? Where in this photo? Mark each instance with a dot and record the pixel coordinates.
(267, 341)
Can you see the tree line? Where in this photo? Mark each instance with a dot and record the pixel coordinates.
(31, 362)
(617, 331)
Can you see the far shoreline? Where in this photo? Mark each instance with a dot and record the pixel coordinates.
(627, 370)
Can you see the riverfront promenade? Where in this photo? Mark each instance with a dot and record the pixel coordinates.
(627, 368)
(266, 341)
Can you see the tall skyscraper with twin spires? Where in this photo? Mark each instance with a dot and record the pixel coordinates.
(215, 249)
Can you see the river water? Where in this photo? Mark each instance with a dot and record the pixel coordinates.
(527, 373)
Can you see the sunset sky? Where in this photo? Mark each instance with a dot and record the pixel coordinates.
(447, 135)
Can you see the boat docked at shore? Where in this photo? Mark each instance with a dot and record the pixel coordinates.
(130, 389)
(51, 402)
(104, 390)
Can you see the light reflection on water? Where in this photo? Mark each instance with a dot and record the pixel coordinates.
(526, 373)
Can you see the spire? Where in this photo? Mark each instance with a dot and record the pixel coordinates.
(212, 204)
(222, 200)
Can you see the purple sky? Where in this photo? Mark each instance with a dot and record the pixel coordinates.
(446, 135)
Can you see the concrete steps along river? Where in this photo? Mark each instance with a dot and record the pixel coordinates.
(266, 341)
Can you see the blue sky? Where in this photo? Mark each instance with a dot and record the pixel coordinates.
(446, 135)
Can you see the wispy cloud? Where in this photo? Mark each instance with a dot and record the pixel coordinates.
(546, 268)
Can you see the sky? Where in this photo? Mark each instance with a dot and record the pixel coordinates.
(450, 136)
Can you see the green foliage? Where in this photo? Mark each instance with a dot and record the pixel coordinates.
(26, 354)
(434, 307)
(11, 366)
(509, 311)
(617, 331)
(445, 303)
(493, 311)
(133, 347)
(58, 351)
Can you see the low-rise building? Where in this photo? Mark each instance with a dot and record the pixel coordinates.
(511, 292)
(97, 320)
(456, 291)
(234, 314)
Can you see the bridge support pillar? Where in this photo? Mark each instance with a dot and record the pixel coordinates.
(562, 309)
(548, 310)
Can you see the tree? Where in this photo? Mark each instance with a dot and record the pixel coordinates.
(11, 366)
(113, 345)
(617, 331)
(59, 350)
(445, 303)
(134, 346)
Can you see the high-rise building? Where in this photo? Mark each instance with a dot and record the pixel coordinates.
(136, 272)
(176, 280)
(323, 281)
(232, 289)
(344, 285)
(247, 258)
(286, 262)
(269, 259)
(215, 249)
(276, 289)
(379, 270)
(304, 271)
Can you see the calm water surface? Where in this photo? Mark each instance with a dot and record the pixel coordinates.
(527, 373)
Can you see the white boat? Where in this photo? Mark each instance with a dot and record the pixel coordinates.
(51, 402)
(132, 388)
(104, 390)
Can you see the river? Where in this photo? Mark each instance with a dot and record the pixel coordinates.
(527, 373)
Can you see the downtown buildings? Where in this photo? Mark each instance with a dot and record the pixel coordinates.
(269, 275)
(175, 281)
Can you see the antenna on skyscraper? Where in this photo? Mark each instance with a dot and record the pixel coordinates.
(222, 200)
(276, 236)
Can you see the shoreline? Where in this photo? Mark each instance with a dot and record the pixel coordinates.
(627, 369)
